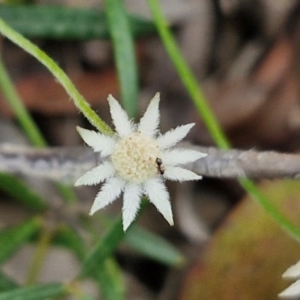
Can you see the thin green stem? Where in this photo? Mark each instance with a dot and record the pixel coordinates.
(40, 254)
(18, 107)
(27, 123)
(59, 74)
(288, 226)
(187, 76)
(209, 119)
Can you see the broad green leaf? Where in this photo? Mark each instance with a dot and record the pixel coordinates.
(17, 189)
(124, 53)
(58, 22)
(103, 249)
(38, 292)
(12, 238)
(6, 283)
(153, 246)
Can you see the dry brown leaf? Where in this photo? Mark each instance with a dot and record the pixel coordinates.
(248, 254)
(41, 93)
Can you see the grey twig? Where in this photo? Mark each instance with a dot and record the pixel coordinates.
(252, 164)
(60, 164)
(68, 163)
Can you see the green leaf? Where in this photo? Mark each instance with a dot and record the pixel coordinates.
(85, 297)
(59, 74)
(57, 22)
(153, 246)
(107, 274)
(38, 292)
(110, 280)
(69, 238)
(17, 105)
(6, 283)
(124, 53)
(186, 75)
(20, 191)
(103, 249)
(11, 239)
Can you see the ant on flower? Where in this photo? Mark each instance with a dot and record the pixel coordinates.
(160, 167)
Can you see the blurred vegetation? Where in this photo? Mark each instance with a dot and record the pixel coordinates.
(97, 259)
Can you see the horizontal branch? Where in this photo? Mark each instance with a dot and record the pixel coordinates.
(69, 163)
(251, 164)
(60, 164)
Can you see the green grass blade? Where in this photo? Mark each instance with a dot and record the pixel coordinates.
(38, 292)
(6, 283)
(59, 74)
(57, 22)
(289, 227)
(110, 280)
(15, 102)
(20, 191)
(69, 238)
(103, 249)
(187, 76)
(204, 110)
(11, 239)
(85, 297)
(124, 53)
(107, 274)
(27, 123)
(153, 246)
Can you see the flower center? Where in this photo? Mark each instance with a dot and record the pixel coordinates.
(135, 157)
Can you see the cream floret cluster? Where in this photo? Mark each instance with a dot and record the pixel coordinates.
(137, 160)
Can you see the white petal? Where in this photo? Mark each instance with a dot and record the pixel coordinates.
(97, 175)
(292, 292)
(149, 122)
(119, 117)
(173, 136)
(99, 142)
(180, 156)
(108, 193)
(159, 196)
(180, 174)
(292, 272)
(131, 203)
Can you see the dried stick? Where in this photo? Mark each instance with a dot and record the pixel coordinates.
(68, 163)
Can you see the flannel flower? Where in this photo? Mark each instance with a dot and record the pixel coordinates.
(293, 291)
(136, 161)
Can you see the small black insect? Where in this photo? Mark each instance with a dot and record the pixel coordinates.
(160, 167)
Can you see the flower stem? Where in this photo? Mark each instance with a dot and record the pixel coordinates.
(59, 74)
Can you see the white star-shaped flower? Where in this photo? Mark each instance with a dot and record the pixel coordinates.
(137, 161)
(293, 291)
